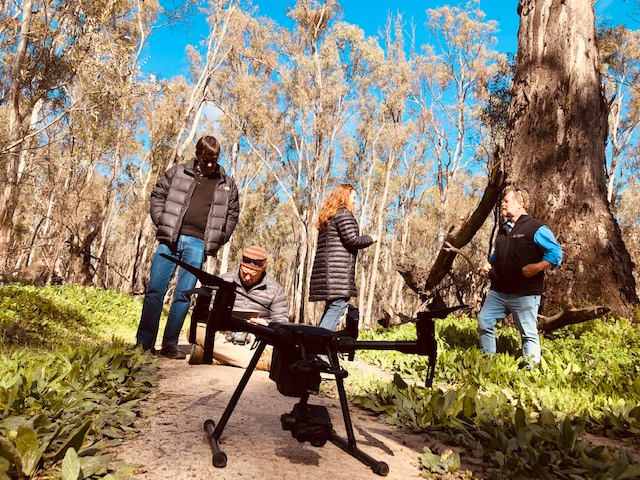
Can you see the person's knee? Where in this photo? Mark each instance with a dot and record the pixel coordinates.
(485, 322)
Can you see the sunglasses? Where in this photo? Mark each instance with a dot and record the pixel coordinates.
(257, 263)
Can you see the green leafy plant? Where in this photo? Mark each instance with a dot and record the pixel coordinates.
(522, 424)
(69, 385)
(52, 317)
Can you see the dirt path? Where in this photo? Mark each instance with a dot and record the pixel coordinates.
(173, 444)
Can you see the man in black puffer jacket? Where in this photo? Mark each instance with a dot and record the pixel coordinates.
(195, 208)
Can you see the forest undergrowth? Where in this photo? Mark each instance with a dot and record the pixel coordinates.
(576, 416)
(71, 385)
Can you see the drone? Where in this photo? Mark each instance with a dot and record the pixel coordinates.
(300, 354)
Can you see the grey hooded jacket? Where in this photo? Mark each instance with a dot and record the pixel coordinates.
(170, 199)
(272, 300)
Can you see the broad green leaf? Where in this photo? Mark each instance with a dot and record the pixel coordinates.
(10, 452)
(94, 464)
(429, 459)
(632, 471)
(71, 465)
(520, 418)
(27, 444)
(74, 441)
(399, 382)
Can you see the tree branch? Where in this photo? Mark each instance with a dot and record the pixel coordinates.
(570, 317)
(458, 236)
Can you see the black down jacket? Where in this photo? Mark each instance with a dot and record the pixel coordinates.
(334, 267)
(170, 199)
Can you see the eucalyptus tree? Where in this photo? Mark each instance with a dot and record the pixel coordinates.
(620, 65)
(241, 92)
(36, 37)
(133, 242)
(394, 132)
(110, 125)
(301, 117)
(221, 17)
(450, 83)
(556, 150)
(63, 58)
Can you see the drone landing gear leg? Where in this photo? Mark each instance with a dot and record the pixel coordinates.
(349, 445)
(215, 431)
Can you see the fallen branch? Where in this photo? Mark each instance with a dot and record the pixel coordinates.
(570, 317)
(450, 248)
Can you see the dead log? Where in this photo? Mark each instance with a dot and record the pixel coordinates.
(570, 316)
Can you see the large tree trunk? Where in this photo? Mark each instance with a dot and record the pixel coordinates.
(556, 151)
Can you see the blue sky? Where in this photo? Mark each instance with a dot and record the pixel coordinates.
(165, 56)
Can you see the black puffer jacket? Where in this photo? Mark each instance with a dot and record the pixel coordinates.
(334, 267)
(266, 293)
(170, 199)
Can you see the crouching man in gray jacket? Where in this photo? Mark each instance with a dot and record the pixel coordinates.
(195, 208)
(263, 302)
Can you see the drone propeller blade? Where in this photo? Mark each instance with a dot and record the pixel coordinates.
(440, 313)
(204, 277)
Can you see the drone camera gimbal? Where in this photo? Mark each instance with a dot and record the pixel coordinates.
(300, 354)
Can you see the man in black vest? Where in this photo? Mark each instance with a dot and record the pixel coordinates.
(195, 208)
(524, 249)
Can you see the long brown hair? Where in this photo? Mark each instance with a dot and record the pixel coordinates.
(336, 199)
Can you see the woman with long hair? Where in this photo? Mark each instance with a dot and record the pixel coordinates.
(333, 278)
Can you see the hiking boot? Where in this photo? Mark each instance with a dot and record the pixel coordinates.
(172, 351)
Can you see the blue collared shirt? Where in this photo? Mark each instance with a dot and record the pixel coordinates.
(544, 239)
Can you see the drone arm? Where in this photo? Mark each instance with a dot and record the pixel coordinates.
(348, 345)
(425, 345)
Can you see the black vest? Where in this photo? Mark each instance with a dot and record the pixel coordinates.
(514, 250)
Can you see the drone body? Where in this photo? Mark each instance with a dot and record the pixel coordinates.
(299, 353)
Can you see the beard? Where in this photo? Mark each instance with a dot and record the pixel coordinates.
(208, 167)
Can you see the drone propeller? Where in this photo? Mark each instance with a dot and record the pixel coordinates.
(439, 313)
(205, 278)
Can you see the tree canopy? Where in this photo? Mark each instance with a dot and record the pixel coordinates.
(416, 127)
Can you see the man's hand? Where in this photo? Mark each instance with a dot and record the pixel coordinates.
(484, 270)
(258, 321)
(535, 268)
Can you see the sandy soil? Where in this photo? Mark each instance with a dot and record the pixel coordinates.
(173, 444)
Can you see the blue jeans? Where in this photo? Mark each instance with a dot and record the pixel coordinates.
(189, 250)
(334, 310)
(524, 309)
